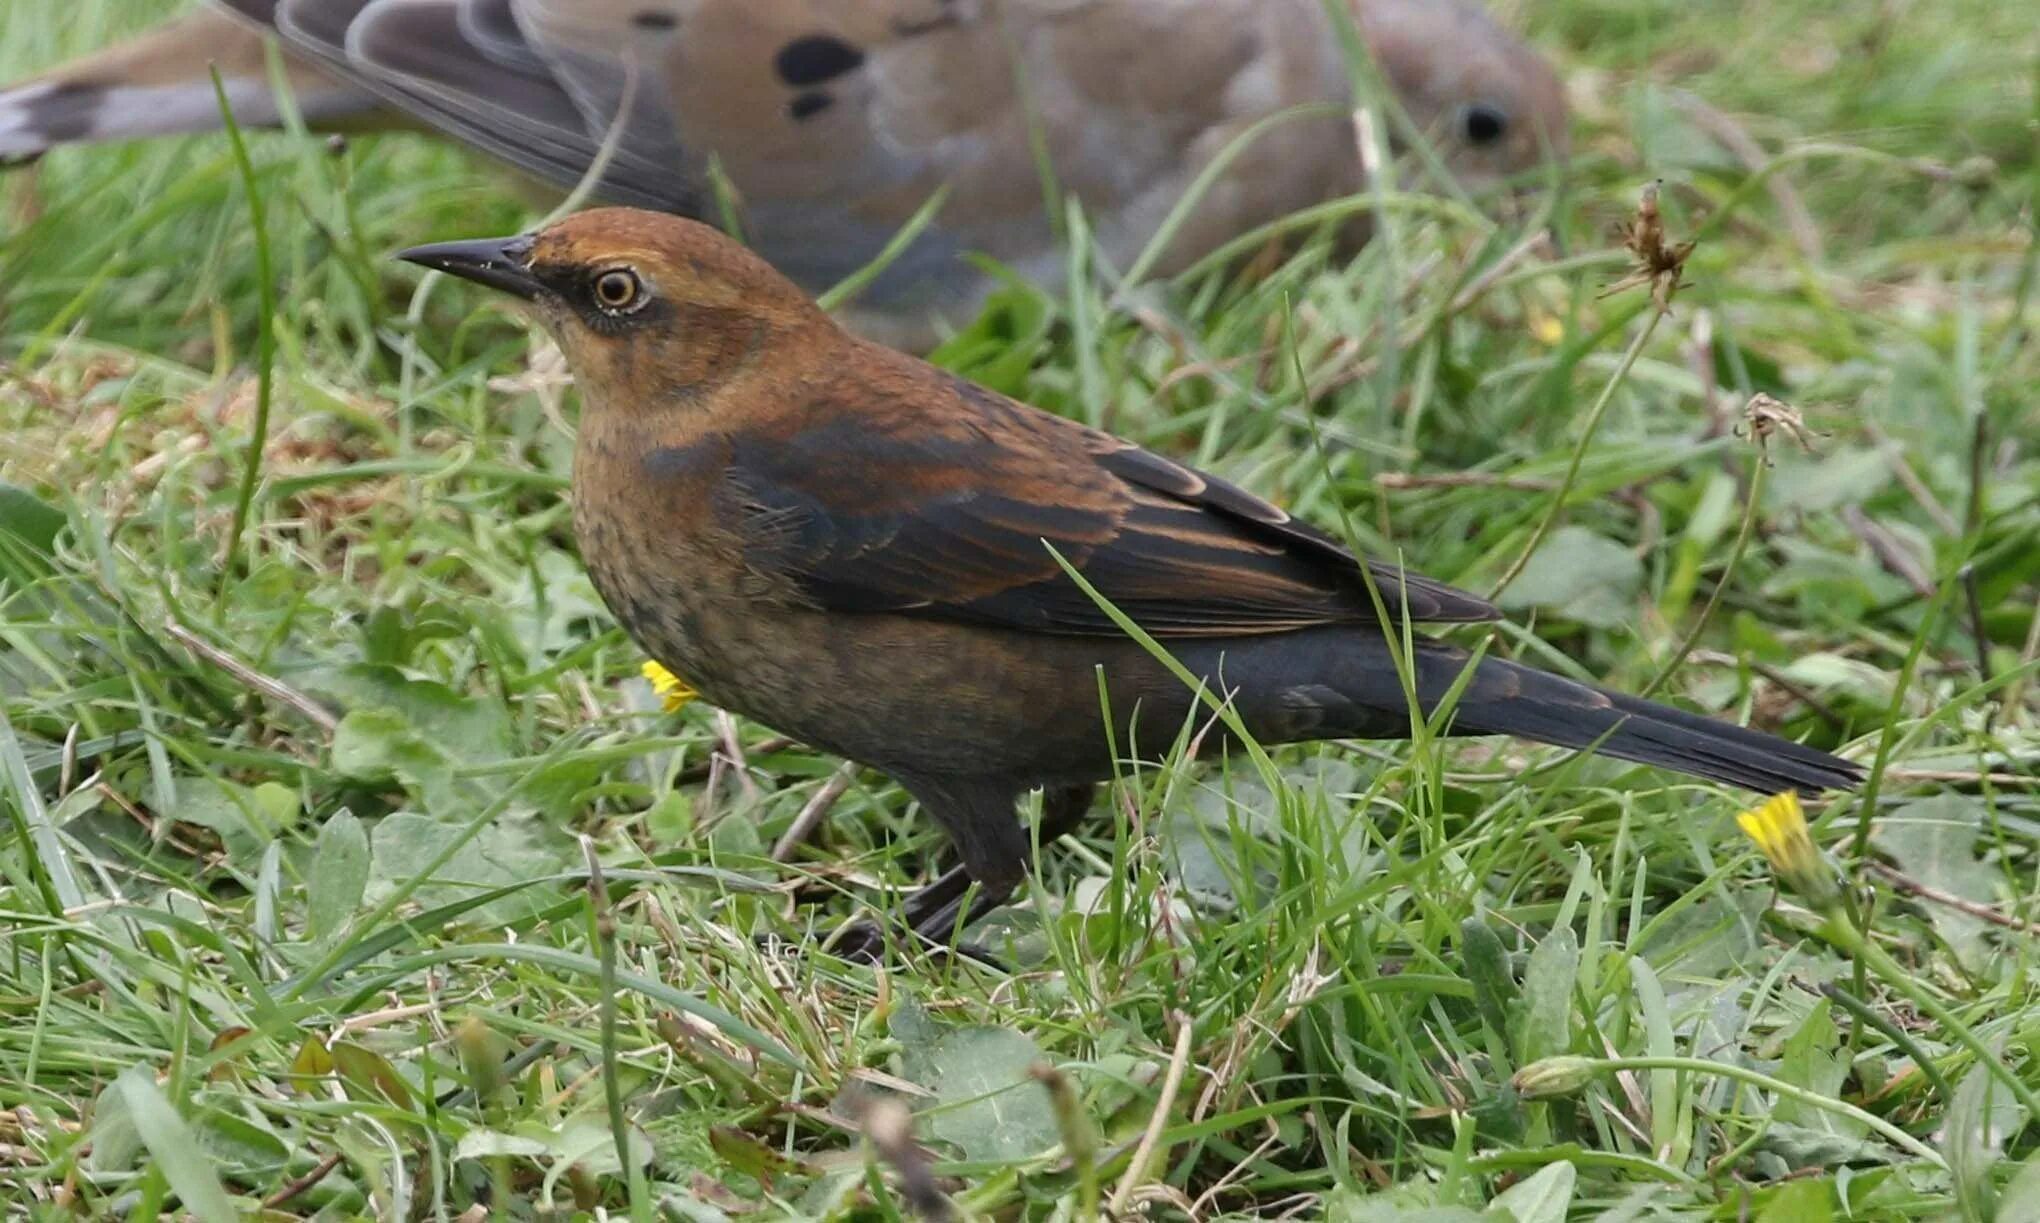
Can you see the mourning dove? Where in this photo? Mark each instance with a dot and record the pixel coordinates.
(835, 121)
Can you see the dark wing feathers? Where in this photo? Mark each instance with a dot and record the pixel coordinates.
(1427, 600)
(913, 537)
(945, 512)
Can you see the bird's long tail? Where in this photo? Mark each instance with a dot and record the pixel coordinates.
(1352, 687)
(1507, 698)
(160, 83)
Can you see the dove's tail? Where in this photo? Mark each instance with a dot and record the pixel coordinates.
(160, 84)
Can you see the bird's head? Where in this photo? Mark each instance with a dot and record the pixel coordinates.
(647, 306)
(1493, 108)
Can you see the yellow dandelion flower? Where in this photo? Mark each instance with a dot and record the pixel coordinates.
(1778, 827)
(674, 692)
(1547, 329)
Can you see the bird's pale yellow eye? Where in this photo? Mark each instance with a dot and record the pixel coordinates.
(619, 290)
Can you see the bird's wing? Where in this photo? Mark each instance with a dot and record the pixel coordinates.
(948, 507)
(463, 67)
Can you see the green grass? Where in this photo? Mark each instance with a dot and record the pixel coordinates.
(251, 948)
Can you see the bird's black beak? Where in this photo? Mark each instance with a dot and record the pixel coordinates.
(500, 263)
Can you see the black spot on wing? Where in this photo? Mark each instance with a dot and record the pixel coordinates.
(66, 112)
(809, 104)
(654, 19)
(815, 59)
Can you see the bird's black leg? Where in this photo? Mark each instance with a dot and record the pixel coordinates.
(995, 858)
(932, 911)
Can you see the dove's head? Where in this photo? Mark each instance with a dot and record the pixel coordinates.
(646, 306)
(1491, 105)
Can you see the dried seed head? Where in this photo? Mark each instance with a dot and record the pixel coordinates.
(1659, 263)
(1763, 417)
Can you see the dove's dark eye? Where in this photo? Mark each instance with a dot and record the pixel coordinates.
(619, 290)
(1484, 124)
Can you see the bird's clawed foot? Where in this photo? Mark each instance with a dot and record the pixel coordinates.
(931, 920)
(867, 942)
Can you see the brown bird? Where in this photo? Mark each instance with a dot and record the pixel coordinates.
(853, 547)
(836, 120)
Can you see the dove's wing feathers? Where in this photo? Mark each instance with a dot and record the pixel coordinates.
(457, 67)
(491, 25)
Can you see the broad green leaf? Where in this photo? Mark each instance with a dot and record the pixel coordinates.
(246, 818)
(470, 730)
(243, 1145)
(1546, 1024)
(1581, 576)
(491, 1144)
(28, 533)
(1544, 1197)
(516, 845)
(368, 1075)
(581, 1139)
(418, 733)
(1811, 485)
(1812, 1059)
(2020, 1202)
(986, 1103)
(1806, 1201)
(175, 1147)
(116, 1143)
(1934, 842)
(380, 745)
(312, 1061)
(1981, 1119)
(28, 518)
(1486, 963)
(1831, 674)
(1668, 1106)
(670, 819)
(1410, 1202)
(1804, 1146)
(748, 1155)
(339, 873)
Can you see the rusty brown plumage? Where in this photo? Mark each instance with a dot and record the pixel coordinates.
(852, 546)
